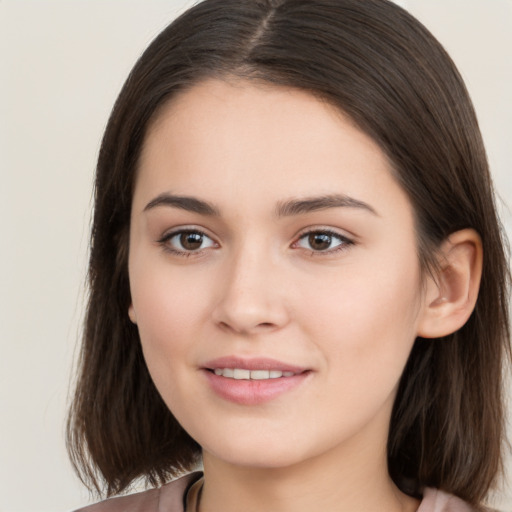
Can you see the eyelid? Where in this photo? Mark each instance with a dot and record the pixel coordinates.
(346, 240)
(326, 228)
(171, 233)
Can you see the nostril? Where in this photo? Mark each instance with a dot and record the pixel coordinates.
(226, 326)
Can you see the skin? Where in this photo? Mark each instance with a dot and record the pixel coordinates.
(256, 287)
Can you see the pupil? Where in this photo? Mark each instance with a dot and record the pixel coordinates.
(191, 241)
(319, 241)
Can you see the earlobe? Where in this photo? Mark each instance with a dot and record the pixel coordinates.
(131, 314)
(451, 297)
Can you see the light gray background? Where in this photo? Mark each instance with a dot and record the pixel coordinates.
(62, 64)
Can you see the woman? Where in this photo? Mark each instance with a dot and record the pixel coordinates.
(297, 274)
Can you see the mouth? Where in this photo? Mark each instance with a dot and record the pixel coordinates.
(253, 381)
(243, 374)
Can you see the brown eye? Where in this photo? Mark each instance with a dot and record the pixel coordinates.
(319, 241)
(191, 241)
(186, 241)
(323, 241)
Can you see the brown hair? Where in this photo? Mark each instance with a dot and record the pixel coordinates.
(381, 67)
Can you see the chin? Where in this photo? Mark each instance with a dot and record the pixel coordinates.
(258, 455)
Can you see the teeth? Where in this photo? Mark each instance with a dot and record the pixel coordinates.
(261, 374)
(242, 374)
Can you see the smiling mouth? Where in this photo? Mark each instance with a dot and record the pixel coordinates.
(253, 381)
(244, 374)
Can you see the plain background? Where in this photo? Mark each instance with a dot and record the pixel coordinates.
(62, 64)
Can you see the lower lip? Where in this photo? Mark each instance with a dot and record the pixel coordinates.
(252, 392)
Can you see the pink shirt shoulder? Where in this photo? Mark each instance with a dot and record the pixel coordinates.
(170, 498)
(439, 501)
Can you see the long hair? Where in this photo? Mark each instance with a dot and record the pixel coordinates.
(383, 69)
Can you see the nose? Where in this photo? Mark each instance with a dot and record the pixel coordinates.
(252, 297)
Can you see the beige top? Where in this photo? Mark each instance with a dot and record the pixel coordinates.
(182, 495)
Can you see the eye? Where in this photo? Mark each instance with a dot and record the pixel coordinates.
(323, 241)
(186, 241)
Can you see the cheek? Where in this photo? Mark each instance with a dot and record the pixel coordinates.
(165, 299)
(365, 317)
(168, 312)
(167, 323)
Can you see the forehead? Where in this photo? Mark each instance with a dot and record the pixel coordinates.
(240, 139)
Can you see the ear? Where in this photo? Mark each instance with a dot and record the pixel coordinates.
(131, 314)
(450, 296)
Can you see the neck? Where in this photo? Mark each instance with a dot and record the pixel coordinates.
(342, 480)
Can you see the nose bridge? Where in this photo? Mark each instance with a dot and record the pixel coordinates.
(251, 298)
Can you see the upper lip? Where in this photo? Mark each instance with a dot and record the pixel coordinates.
(253, 363)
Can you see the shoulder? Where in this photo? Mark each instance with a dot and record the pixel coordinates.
(435, 500)
(167, 498)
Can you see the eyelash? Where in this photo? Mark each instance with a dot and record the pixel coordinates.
(165, 242)
(345, 242)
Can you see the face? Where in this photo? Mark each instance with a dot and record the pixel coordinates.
(274, 274)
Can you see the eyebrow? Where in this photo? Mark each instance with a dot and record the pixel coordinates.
(283, 209)
(312, 204)
(190, 204)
